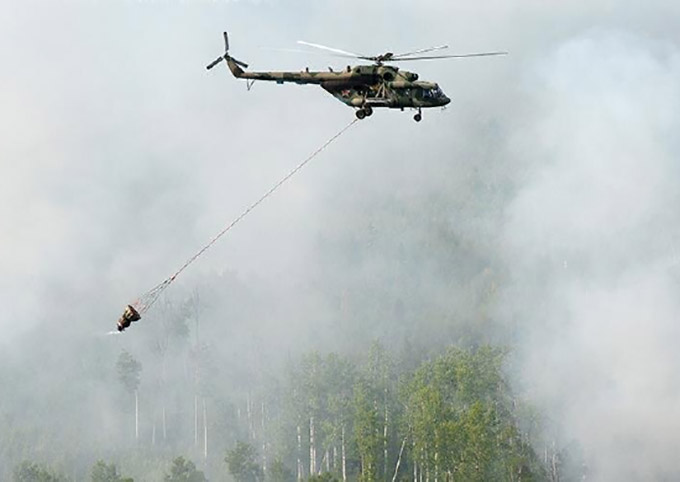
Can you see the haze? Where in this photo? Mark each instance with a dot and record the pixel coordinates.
(538, 213)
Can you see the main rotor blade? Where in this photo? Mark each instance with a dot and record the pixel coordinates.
(434, 57)
(303, 51)
(343, 53)
(297, 51)
(422, 51)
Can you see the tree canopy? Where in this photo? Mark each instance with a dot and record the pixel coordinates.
(183, 470)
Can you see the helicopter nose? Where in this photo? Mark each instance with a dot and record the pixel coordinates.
(445, 100)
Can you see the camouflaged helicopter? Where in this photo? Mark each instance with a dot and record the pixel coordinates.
(363, 87)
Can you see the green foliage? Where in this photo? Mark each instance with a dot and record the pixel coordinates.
(367, 429)
(184, 470)
(242, 463)
(175, 321)
(101, 472)
(278, 472)
(32, 472)
(454, 414)
(459, 414)
(129, 370)
(320, 387)
(379, 372)
(324, 477)
(340, 374)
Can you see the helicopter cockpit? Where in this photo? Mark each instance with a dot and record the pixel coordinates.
(434, 93)
(435, 96)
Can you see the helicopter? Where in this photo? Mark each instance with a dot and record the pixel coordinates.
(362, 87)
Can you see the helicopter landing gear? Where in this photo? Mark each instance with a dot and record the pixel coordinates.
(365, 111)
(418, 117)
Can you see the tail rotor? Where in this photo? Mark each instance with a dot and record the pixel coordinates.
(226, 56)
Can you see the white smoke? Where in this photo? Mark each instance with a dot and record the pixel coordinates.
(591, 237)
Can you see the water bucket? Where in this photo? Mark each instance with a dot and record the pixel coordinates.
(128, 316)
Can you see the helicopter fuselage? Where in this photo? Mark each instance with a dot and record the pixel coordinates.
(362, 87)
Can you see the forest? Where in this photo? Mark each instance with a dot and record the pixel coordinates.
(332, 418)
(380, 414)
(383, 356)
(489, 294)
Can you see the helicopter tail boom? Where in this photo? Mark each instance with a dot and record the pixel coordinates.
(235, 67)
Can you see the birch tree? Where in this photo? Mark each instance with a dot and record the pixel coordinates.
(367, 430)
(183, 470)
(129, 371)
(342, 374)
(461, 420)
(379, 371)
(32, 472)
(103, 472)
(242, 463)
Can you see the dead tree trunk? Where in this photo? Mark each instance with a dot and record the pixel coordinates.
(196, 420)
(264, 438)
(205, 430)
(300, 468)
(312, 448)
(249, 412)
(385, 434)
(344, 457)
(396, 467)
(136, 415)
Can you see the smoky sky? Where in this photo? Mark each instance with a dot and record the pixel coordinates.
(121, 156)
(593, 234)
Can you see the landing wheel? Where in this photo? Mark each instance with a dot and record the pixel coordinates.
(361, 114)
(368, 110)
(418, 117)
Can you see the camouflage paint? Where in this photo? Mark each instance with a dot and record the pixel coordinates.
(359, 86)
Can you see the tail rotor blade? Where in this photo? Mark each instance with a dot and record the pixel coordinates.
(214, 62)
(242, 64)
(226, 42)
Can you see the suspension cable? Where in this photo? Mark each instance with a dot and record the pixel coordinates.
(147, 300)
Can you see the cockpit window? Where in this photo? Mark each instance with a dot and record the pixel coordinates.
(432, 93)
